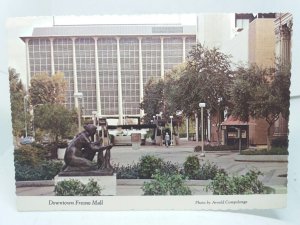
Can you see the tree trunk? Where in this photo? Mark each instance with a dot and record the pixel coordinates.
(218, 135)
(269, 137)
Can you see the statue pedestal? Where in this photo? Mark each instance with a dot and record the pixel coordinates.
(106, 180)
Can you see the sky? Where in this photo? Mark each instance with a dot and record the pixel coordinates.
(23, 26)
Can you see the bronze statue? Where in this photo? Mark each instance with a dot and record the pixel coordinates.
(81, 152)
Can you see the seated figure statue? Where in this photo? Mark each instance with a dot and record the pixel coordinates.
(81, 151)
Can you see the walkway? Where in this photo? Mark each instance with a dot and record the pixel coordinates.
(274, 172)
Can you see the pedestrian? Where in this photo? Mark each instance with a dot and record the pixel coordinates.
(167, 139)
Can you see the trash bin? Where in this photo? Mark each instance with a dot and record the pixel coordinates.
(136, 141)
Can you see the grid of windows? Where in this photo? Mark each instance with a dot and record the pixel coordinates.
(63, 62)
(39, 56)
(151, 55)
(190, 42)
(108, 75)
(40, 62)
(85, 62)
(172, 52)
(129, 56)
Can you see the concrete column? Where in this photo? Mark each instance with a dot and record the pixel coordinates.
(141, 78)
(183, 49)
(120, 96)
(162, 66)
(52, 57)
(183, 60)
(97, 78)
(27, 65)
(285, 36)
(75, 72)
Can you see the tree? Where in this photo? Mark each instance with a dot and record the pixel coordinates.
(56, 119)
(17, 94)
(45, 89)
(153, 101)
(207, 78)
(172, 96)
(261, 93)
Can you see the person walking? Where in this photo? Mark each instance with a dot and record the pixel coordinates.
(167, 139)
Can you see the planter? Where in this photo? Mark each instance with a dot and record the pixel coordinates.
(261, 158)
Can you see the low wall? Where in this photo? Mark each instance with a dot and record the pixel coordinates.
(122, 140)
(261, 158)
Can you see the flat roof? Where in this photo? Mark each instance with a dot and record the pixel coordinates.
(112, 30)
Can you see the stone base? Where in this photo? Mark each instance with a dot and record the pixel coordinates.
(75, 173)
(108, 183)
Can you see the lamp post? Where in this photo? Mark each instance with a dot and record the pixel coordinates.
(171, 117)
(78, 95)
(25, 114)
(94, 113)
(202, 105)
(33, 126)
(161, 129)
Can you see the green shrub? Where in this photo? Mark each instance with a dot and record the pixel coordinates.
(164, 184)
(236, 185)
(127, 172)
(31, 163)
(147, 166)
(177, 186)
(208, 148)
(45, 170)
(49, 169)
(279, 151)
(134, 171)
(51, 150)
(182, 135)
(208, 171)
(30, 155)
(280, 142)
(144, 169)
(169, 168)
(272, 151)
(191, 167)
(76, 188)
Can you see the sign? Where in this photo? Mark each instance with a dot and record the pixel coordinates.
(244, 134)
(102, 122)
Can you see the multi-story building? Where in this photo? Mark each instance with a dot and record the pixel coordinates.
(254, 44)
(261, 52)
(108, 65)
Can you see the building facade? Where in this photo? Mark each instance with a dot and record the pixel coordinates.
(283, 34)
(108, 65)
(262, 53)
(260, 37)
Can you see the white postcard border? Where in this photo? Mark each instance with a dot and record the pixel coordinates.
(119, 203)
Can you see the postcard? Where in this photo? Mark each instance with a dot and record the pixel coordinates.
(151, 112)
